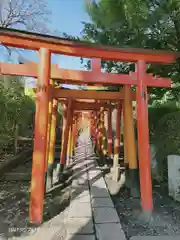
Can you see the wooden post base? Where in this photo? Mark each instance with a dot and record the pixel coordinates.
(132, 182)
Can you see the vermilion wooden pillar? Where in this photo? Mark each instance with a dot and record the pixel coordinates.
(95, 132)
(125, 127)
(103, 131)
(73, 137)
(66, 126)
(110, 132)
(92, 126)
(51, 145)
(53, 132)
(95, 129)
(129, 125)
(143, 138)
(78, 126)
(64, 122)
(117, 138)
(49, 124)
(40, 139)
(76, 131)
(69, 148)
(99, 133)
(48, 180)
(130, 143)
(48, 131)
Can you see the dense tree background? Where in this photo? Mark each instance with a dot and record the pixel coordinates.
(150, 24)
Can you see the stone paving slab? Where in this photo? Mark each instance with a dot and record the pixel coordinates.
(80, 210)
(94, 172)
(91, 166)
(79, 168)
(82, 199)
(91, 159)
(79, 181)
(99, 192)
(105, 215)
(102, 202)
(79, 226)
(79, 163)
(80, 175)
(80, 237)
(81, 196)
(93, 178)
(109, 231)
(79, 189)
(100, 183)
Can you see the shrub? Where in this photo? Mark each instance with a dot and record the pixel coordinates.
(167, 140)
(156, 112)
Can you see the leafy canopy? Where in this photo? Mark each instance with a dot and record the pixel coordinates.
(150, 24)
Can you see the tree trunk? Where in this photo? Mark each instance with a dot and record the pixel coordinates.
(16, 135)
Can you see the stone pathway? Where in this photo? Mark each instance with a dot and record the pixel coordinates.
(91, 214)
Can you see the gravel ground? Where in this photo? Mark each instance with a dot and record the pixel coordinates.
(165, 219)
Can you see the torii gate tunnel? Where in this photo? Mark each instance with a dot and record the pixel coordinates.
(48, 95)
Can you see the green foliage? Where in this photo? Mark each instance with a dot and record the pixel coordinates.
(141, 24)
(167, 140)
(158, 111)
(167, 136)
(15, 108)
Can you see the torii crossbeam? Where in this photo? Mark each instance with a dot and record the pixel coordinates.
(95, 76)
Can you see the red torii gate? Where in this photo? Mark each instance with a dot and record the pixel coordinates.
(47, 45)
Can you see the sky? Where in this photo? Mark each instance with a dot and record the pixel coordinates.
(66, 17)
